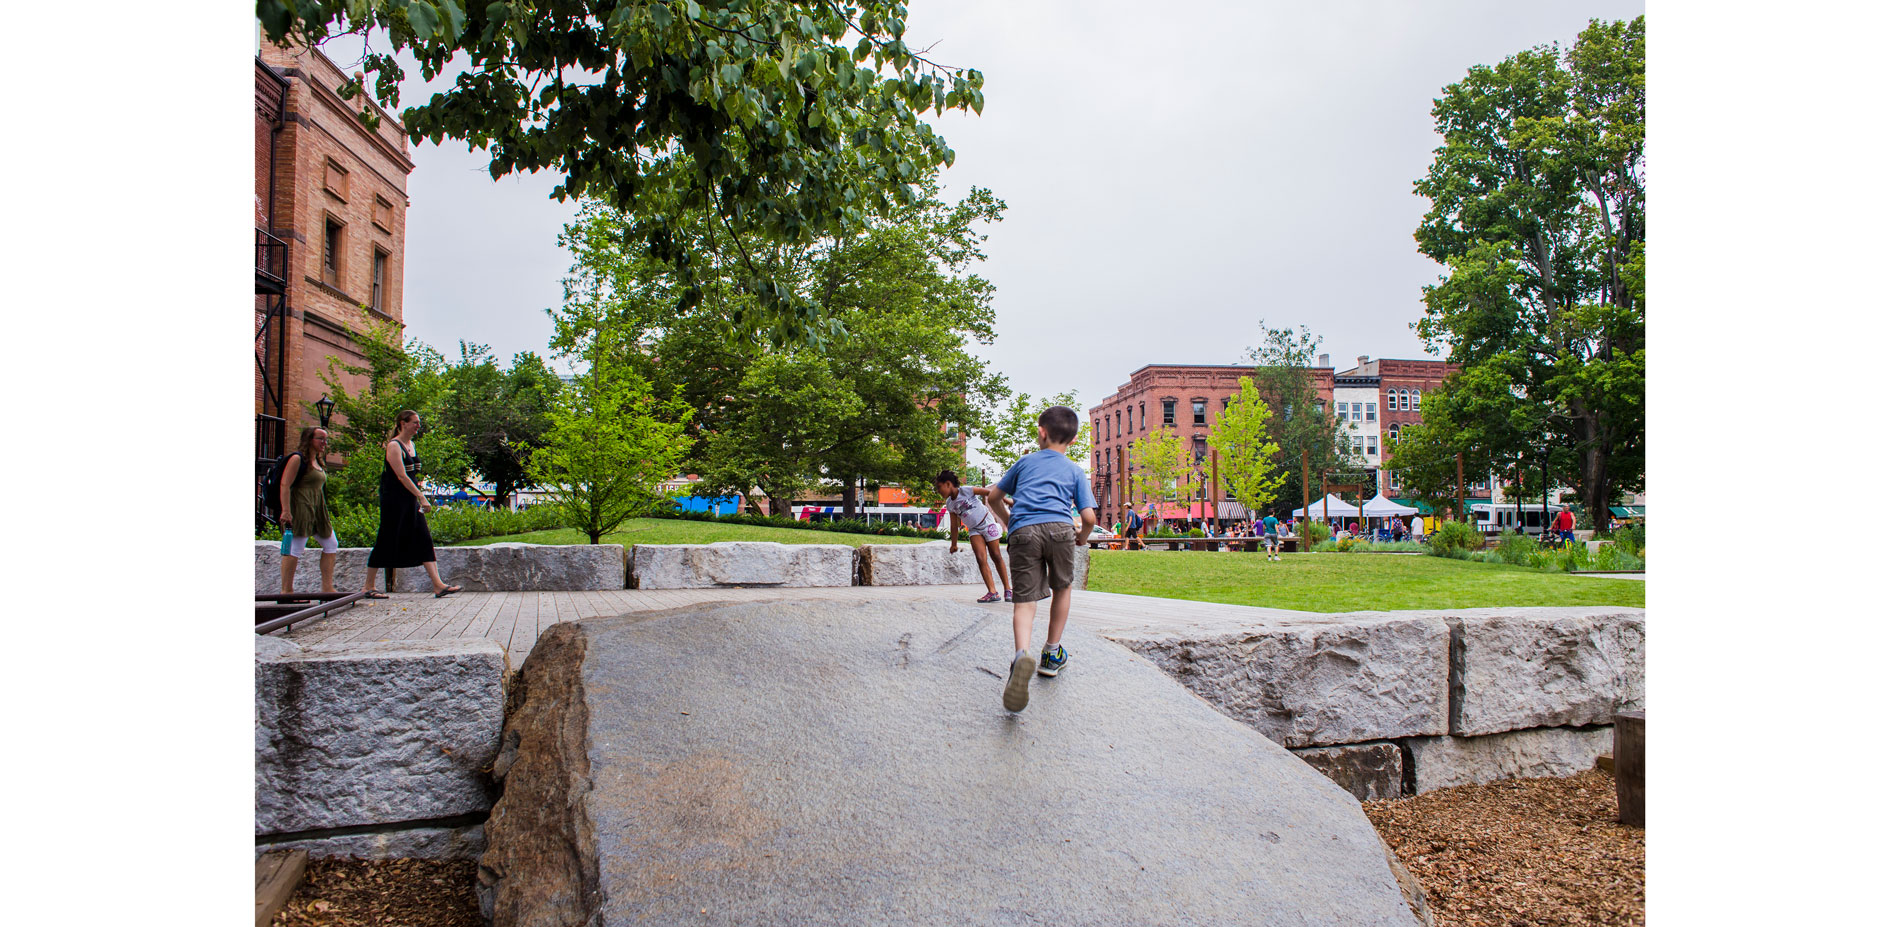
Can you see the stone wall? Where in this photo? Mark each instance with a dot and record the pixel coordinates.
(516, 567)
(376, 748)
(1391, 702)
(740, 563)
(504, 567)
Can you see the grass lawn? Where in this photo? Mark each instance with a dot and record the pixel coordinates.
(1346, 582)
(678, 531)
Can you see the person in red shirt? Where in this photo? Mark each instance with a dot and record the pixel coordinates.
(1565, 522)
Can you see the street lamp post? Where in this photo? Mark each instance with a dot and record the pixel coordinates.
(1546, 506)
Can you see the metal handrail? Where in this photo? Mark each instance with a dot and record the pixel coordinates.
(273, 258)
(323, 607)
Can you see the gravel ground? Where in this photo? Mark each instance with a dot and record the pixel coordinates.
(396, 893)
(1523, 853)
(1520, 853)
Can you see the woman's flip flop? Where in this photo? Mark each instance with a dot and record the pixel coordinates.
(449, 591)
(372, 594)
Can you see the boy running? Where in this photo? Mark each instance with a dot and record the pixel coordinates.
(966, 507)
(1047, 486)
(1270, 529)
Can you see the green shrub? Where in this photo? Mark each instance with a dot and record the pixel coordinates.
(1346, 544)
(1629, 539)
(1518, 549)
(1454, 539)
(1313, 533)
(1196, 533)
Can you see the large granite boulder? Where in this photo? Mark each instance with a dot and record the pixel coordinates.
(1331, 679)
(927, 564)
(517, 567)
(1367, 771)
(350, 735)
(810, 762)
(1443, 762)
(740, 563)
(1544, 667)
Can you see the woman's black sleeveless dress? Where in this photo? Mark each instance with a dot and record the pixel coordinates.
(402, 538)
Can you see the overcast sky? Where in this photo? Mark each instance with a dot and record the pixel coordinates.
(1175, 176)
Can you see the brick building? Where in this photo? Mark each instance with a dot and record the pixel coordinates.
(1373, 401)
(331, 204)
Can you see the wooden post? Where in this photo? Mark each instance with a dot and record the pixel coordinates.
(278, 875)
(1461, 486)
(1213, 490)
(1306, 499)
(1629, 768)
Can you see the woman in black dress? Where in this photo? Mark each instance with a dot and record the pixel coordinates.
(402, 538)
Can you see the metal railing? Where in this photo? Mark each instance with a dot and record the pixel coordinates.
(273, 262)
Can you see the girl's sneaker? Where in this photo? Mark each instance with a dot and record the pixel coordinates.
(1009, 595)
(991, 597)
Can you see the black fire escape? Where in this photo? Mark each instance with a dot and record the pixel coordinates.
(273, 261)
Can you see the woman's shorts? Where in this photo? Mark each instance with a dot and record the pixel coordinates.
(294, 544)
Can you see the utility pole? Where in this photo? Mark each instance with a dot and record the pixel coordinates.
(1306, 499)
(1461, 486)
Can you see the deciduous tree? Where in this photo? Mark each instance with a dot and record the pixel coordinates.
(1538, 214)
(1300, 421)
(1249, 466)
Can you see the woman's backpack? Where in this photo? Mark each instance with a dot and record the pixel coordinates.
(272, 487)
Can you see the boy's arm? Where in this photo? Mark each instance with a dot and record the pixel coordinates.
(1088, 524)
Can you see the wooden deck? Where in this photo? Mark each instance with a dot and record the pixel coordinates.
(516, 619)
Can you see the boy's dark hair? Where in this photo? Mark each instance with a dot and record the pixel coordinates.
(950, 477)
(1060, 422)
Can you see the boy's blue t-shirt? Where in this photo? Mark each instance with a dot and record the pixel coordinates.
(1047, 486)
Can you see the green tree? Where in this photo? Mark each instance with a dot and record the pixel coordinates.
(885, 400)
(499, 415)
(612, 442)
(399, 377)
(782, 121)
(1158, 465)
(1300, 422)
(1008, 431)
(1249, 465)
(1538, 214)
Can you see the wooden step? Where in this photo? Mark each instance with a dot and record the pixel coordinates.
(278, 875)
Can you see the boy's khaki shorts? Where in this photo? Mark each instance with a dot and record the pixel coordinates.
(1041, 559)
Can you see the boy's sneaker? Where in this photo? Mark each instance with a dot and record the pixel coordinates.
(1053, 661)
(991, 597)
(1016, 691)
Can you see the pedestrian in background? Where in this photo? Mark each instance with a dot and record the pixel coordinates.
(306, 510)
(402, 536)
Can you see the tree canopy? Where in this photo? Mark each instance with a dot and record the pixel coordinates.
(1009, 429)
(778, 122)
(500, 416)
(887, 400)
(1538, 214)
(1300, 420)
(1240, 436)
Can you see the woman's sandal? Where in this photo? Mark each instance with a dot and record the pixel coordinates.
(373, 594)
(451, 590)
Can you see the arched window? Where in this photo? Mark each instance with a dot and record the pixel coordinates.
(1392, 400)
(1416, 407)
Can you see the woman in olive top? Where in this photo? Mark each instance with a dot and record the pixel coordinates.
(402, 537)
(305, 510)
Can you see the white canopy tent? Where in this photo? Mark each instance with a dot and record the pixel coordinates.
(1381, 507)
(1332, 506)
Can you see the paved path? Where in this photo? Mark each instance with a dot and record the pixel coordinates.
(515, 620)
(1639, 577)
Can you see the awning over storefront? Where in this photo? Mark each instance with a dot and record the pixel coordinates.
(1628, 511)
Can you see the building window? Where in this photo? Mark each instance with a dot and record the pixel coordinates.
(1392, 400)
(1200, 411)
(1372, 446)
(379, 281)
(1340, 408)
(332, 252)
(1118, 424)
(1358, 444)
(1167, 411)
(1392, 434)
(336, 180)
(1358, 411)
(1416, 405)
(1144, 416)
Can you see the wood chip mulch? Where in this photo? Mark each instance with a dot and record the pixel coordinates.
(384, 893)
(1520, 853)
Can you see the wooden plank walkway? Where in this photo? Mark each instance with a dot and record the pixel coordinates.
(515, 620)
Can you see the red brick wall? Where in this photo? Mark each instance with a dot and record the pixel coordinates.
(321, 129)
